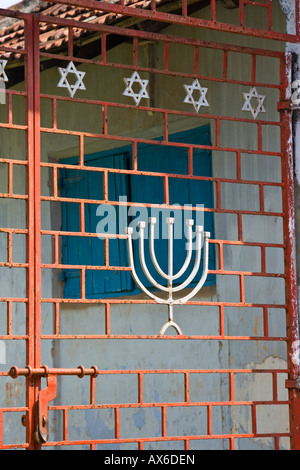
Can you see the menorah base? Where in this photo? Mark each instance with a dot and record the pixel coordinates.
(167, 325)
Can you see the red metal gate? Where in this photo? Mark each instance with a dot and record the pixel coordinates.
(54, 38)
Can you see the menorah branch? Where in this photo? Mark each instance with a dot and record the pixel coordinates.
(170, 277)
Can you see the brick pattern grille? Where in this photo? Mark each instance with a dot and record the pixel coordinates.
(196, 391)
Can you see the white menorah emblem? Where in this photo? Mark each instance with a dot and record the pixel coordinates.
(170, 277)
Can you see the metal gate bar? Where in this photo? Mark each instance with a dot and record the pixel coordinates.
(34, 299)
(139, 11)
(28, 232)
(94, 372)
(289, 237)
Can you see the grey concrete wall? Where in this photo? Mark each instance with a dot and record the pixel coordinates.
(108, 354)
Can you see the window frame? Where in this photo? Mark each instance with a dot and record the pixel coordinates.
(127, 150)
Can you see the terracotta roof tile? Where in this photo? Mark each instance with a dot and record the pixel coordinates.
(51, 36)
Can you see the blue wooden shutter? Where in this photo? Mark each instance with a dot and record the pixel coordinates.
(90, 250)
(145, 189)
(141, 189)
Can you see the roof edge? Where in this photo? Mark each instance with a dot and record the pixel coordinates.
(26, 6)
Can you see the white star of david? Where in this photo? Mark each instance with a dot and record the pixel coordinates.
(248, 106)
(202, 101)
(135, 78)
(3, 76)
(63, 83)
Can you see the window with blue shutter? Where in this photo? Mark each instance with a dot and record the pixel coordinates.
(138, 189)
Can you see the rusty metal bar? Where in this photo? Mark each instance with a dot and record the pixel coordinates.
(31, 389)
(33, 232)
(147, 35)
(133, 11)
(94, 371)
(45, 371)
(289, 236)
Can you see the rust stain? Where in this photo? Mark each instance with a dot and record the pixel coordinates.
(12, 395)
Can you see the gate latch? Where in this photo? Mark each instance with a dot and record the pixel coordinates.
(45, 396)
(49, 393)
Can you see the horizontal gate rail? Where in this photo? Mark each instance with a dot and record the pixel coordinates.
(94, 371)
(182, 18)
(209, 406)
(72, 24)
(38, 59)
(44, 371)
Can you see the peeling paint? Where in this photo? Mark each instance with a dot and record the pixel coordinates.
(288, 8)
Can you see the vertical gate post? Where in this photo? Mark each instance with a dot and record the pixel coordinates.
(37, 208)
(34, 396)
(33, 383)
(30, 282)
(290, 250)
